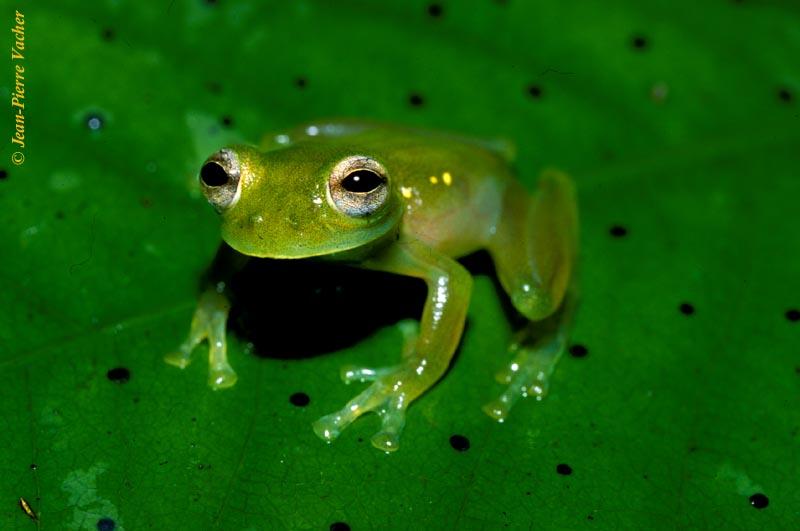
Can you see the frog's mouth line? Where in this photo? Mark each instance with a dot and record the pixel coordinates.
(323, 240)
(296, 252)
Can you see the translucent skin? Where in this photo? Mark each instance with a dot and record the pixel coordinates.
(447, 197)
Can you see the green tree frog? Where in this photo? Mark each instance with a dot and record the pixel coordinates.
(409, 202)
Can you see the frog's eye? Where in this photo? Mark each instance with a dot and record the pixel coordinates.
(358, 186)
(219, 179)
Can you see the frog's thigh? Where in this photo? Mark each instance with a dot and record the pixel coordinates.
(534, 245)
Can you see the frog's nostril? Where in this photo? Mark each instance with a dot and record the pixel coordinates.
(212, 174)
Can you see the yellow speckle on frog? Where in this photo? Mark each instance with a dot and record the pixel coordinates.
(406, 191)
(447, 178)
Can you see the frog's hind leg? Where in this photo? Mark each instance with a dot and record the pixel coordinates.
(208, 322)
(534, 249)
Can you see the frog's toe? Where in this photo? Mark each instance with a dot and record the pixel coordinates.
(329, 427)
(520, 387)
(182, 356)
(497, 409)
(222, 377)
(178, 359)
(393, 418)
(352, 373)
(504, 375)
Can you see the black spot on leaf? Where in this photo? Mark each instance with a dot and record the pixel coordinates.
(416, 100)
(459, 443)
(535, 91)
(119, 374)
(435, 10)
(639, 42)
(299, 399)
(759, 501)
(618, 231)
(564, 469)
(578, 351)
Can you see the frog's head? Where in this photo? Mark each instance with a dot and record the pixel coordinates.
(299, 202)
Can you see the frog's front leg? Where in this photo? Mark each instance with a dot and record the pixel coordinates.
(426, 355)
(209, 322)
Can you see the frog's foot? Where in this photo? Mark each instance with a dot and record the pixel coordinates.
(208, 322)
(384, 396)
(387, 396)
(527, 375)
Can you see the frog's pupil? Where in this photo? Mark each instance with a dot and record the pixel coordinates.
(212, 174)
(362, 181)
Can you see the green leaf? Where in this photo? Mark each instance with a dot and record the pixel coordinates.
(679, 124)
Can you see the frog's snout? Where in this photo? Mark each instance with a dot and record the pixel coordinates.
(220, 179)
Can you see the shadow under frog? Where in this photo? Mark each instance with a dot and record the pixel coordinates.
(340, 304)
(343, 305)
